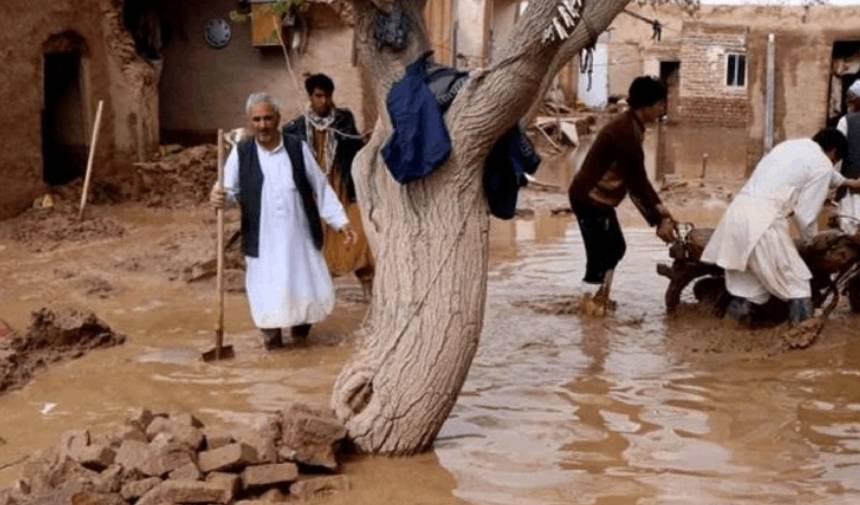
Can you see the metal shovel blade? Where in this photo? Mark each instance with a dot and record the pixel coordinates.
(214, 355)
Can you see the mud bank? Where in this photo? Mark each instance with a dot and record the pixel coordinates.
(41, 230)
(178, 179)
(154, 459)
(53, 336)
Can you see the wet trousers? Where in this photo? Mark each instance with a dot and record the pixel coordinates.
(602, 237)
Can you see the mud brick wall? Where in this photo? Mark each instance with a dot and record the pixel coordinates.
(203, 89)
(110, 70)
(705, 98)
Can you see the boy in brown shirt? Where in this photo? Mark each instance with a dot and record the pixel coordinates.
(614, 167)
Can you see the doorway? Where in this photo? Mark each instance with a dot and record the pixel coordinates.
(670, 74)
(846, 69)
(64, 125)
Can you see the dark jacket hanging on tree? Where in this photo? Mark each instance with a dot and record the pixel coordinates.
(420, 142)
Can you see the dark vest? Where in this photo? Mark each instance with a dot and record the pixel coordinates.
(851, 163)
(251, 190)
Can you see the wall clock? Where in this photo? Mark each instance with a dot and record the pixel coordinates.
(217, 32)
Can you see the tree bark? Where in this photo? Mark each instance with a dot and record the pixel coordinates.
(430, 237)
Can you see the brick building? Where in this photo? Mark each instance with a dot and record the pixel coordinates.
(715, 62)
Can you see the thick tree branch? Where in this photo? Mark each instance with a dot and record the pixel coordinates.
(499, 97)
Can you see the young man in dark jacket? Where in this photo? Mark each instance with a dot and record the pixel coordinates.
(334, 139)
(614, 168)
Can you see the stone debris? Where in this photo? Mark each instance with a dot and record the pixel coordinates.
(269, 475)
(308, 433)
(316, 487)
(168, 459)
(53, 336)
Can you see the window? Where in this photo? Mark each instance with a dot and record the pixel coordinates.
(736, 70)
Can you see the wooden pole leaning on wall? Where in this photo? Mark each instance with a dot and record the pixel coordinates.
(93, 142)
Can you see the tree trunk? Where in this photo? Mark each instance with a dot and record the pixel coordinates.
(429, 237)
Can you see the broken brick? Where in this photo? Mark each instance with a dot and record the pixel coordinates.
(319, 486)
(72, 442)
(314, 435)
(94, 457)
(216, 439)
(186, 472)
(229, 457)
(186, 434)
(269, 475)
(140, 418)
(138, 488)
(185, 491)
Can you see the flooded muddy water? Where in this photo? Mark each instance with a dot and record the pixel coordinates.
(557, 409)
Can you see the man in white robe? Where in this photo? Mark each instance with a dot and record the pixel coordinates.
(753, 243)
(849, 125)
(283, 202)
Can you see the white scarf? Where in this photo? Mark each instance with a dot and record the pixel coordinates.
(313, 122)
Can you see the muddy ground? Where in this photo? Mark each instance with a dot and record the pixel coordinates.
(53, 336)
(557, 409)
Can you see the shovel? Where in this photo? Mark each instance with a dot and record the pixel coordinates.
(220, 351)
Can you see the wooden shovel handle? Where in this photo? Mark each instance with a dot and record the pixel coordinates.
(219, 323)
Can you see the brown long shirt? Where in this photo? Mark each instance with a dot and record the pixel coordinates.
(614, 167)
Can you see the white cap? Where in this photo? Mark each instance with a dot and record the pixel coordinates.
(855, 88)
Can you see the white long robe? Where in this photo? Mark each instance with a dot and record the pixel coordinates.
(753, 241)
(288, 283)
(849, 205)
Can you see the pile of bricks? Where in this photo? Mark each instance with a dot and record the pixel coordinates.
(160, 459)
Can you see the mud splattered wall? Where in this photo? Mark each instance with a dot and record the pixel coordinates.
(82, 43)
(203, 89)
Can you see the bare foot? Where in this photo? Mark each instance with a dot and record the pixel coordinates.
(595, 306)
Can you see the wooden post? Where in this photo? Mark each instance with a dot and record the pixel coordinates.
(770, 85)
(219, 323)
(93, 142)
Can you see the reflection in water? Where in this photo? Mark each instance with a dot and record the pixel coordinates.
(570, 410)
(556, 409)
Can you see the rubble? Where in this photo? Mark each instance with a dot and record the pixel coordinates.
(53, 336)
(43, 230)
(171, 466)
(178, 179)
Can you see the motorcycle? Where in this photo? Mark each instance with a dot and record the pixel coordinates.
(832, 256)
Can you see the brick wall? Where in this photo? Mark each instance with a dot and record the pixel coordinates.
(705, 97)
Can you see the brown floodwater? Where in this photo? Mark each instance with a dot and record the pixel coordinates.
(557, 409)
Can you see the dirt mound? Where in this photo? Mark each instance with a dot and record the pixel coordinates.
(180, 179)
(53, 336)
(42, 230)
(160, 458)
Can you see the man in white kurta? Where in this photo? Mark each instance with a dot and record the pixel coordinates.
(287, 282)
(753, 243)
(849, 124)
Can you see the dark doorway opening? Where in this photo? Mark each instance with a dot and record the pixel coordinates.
(845, 70)
(670, 74)
(64, 142)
